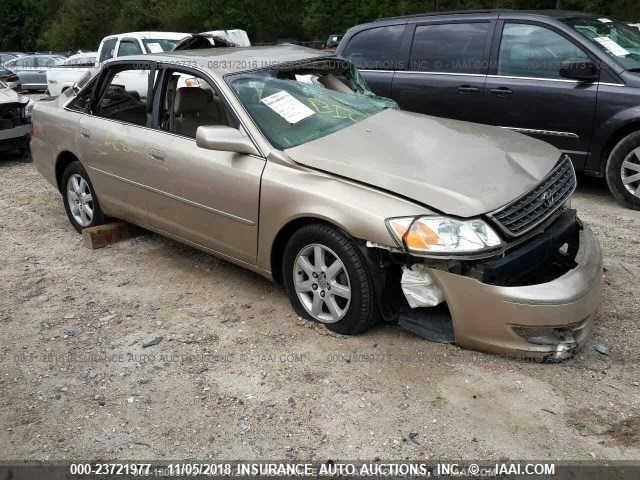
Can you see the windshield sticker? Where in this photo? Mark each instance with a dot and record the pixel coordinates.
(154, 47)
(335, 110)
(612, 46)
(604, 20)
(287, 106)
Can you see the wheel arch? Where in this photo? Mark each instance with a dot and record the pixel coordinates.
(280, 241)
(64, 159)
(615, 138)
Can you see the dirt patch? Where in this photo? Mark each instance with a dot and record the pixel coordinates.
(626, 432)
(238, 376)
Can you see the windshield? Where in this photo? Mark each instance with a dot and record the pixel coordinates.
(618, 40)
(295, 105)
(159, 45)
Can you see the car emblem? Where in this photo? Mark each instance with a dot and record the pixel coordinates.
(548, 199)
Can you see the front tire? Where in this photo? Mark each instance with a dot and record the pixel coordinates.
(80, 199)
(623, 171)
(327, 279)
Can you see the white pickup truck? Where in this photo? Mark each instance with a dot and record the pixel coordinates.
(133, 43)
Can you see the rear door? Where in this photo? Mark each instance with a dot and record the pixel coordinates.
(447, 69)
(112, 140)
(526, 93)
(25, 68)
(378, 52)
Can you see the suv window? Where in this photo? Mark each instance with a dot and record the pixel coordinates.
(129, 47)
(451, 48)
(190, 102)
(376, 48)
(534, 51)
(124, 96)
(108, 47)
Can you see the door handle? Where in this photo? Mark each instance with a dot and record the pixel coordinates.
(156, 154)
(502, 91)
(85, 133)
(467, 89)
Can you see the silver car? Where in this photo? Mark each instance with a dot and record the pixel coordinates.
(32, 70)
(281, 160)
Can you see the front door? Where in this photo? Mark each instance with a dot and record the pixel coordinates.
(526, 93)
(206, 197)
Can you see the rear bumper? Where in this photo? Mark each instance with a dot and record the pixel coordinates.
(547, 321)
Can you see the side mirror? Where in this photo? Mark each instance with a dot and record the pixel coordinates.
(226, 139)
(585, 71)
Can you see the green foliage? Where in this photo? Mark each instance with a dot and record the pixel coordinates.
(73, 24)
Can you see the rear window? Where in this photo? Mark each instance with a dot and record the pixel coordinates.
(451, 48)
(376, 48)
(159, 45)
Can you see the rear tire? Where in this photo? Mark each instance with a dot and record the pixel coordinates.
(80, 199)
(623, 171)
(327, 279)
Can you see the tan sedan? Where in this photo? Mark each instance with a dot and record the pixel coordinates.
(281, 160)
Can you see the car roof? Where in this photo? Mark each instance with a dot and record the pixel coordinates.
(150, 34)
(558, 14)
(222, 61)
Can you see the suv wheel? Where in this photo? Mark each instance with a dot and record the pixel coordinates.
(623, 171)
(327, 279)
(80, 200)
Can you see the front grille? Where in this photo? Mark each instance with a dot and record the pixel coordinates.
(534, 207)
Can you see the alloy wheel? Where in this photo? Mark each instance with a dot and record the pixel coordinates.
(630, 172)
(80, 200)
(322, 284)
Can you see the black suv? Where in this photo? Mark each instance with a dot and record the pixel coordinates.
(568, 78)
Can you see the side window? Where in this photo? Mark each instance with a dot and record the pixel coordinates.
(534, 51)
(82, 102)
(451, 48)
(189, 102)
(376, 49)
(25, 62)
(46, 61)
(107, 51)
(129, 47)
(124, 96)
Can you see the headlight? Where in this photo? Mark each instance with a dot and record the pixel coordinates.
(443, 235)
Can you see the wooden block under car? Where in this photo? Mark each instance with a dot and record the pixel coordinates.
(103, 235)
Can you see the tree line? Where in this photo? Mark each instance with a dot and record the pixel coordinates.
(80, 24)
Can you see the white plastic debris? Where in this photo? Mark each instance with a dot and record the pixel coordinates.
(419, 288)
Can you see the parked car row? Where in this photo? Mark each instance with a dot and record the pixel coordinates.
(568, 78)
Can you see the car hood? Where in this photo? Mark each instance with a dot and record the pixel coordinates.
(459, 168)
(9, 96)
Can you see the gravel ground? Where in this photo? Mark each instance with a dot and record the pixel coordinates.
(236, 375)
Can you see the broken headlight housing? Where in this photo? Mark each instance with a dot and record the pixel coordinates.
(443, 236)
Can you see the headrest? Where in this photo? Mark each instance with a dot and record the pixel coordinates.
(191, 100)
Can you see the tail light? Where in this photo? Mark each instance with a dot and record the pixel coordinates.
(12, 78)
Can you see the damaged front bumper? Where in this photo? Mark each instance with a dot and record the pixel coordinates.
(544, 321)
(14, 126)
